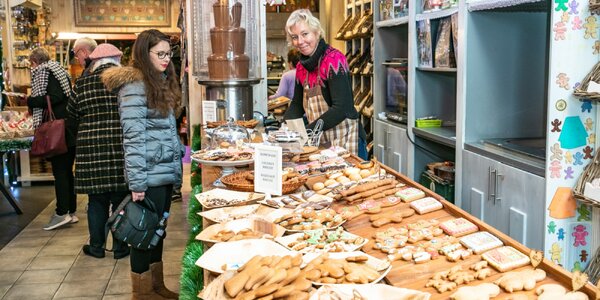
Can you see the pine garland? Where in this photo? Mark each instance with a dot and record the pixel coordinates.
(192, 276)
(15, 144)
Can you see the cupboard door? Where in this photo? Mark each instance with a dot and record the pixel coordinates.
(520, 201)
(380, 141)
(397, 148)
(476, 187)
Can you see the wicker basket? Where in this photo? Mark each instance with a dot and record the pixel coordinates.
(240, 182)
(590, 172)
(581, 90)
(594, 7)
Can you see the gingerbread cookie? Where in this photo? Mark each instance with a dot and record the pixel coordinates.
(555, 291)
(519, 281)
(483, 291)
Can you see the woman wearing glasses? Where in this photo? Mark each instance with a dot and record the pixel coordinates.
(148, 95)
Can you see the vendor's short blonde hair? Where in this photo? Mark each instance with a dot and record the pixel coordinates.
(303, 15)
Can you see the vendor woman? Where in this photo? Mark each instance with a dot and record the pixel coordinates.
(323, 86)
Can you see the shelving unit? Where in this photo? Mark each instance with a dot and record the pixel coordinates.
(362, 83)
(391, 41)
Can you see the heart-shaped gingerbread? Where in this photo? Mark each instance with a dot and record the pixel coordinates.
(536, 257)
(579, 280)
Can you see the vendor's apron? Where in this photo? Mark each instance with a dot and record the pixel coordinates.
(345, 134)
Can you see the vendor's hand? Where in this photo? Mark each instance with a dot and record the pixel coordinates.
(138, 196)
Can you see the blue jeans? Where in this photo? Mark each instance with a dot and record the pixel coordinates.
(362, 149)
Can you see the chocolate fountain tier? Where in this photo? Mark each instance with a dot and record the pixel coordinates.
(224, 40)
(228, 67)
(223, 18)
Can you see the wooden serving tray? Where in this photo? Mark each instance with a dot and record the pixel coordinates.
(415, 276)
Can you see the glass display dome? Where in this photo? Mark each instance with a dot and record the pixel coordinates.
(229, 135)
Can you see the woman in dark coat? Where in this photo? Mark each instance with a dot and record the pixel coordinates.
(48, 78)
(99, 165)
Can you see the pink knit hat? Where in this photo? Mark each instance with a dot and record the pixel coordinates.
(105, 50)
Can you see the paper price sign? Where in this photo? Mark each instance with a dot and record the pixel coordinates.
(267, 169)
(209, 111)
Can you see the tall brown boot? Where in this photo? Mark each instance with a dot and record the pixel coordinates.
(158, 282)
(141, 287)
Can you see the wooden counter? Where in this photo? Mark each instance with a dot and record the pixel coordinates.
(415, 276)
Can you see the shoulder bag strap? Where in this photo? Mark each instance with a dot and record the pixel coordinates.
(51, 116)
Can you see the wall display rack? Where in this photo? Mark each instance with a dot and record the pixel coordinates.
(506, 109)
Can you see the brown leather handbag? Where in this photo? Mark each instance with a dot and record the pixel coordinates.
(49, 138)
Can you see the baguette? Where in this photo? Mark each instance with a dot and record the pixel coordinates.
(235, 284)
(365, 187)
(279, 275)
(257, 276)
(370, 192)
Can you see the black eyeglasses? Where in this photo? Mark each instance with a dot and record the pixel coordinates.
(163, 54)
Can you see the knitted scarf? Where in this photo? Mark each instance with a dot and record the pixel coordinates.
(39, 83)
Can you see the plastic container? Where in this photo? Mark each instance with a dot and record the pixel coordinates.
(428, 123)
(439, 186)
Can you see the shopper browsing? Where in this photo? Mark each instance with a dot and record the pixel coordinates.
(323, 86)
(286, 84)
(82, 48)
(148, 94)
(49, 79)
(99, 164)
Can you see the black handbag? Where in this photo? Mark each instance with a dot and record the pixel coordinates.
(135, 223)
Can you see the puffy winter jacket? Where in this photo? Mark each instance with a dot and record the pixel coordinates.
(152, 147)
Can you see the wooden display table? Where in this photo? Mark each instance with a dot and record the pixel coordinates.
(415, 276)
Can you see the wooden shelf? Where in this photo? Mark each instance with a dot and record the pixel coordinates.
(443, 69)
(437, 14)
(392, 22)
(441, 135)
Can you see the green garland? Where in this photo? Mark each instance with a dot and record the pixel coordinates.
(196, 138)
(15, 144)
(192, 277)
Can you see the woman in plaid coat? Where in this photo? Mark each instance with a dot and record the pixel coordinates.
(99, 166)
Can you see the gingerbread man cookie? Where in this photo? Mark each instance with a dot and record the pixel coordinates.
(569, 157)
(573, 5)
(560, 29)
(577, 23)
(556, 253)
(590, 28)
(561, 5)
(556, 125)
(588, 152)
(562, 80)
(580, 234)
(556, 152)
(589, 124)
(555, 169)
(592, 138)
(578, 159)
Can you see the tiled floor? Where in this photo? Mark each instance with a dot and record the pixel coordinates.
(40, 264)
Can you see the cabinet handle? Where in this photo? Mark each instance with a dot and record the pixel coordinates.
(387, 144)
(492, 178)
(489, 189)
(498, 176)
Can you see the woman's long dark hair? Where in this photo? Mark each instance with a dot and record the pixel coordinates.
(163, 94)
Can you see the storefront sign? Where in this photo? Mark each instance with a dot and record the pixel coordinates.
(267, 169)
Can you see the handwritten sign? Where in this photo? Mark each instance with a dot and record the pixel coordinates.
(267, 169)
(209, 111)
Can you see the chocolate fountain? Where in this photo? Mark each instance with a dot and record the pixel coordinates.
(228, 65)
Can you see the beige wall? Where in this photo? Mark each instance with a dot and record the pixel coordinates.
(63, 20)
